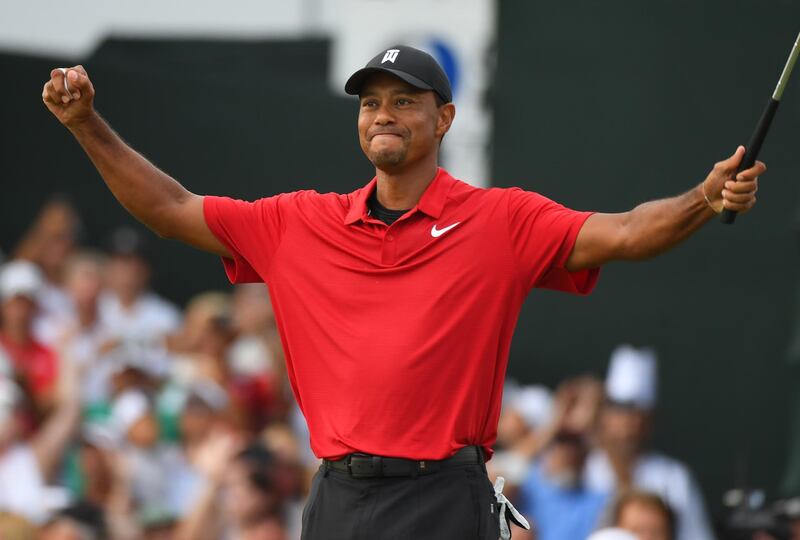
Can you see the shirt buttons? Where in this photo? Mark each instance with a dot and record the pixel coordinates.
(390, 238)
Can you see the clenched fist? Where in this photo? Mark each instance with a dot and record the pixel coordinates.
(70, 107)
(725, 188)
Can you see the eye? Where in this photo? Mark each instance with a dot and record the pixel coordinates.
(403, 101)
(369, 103)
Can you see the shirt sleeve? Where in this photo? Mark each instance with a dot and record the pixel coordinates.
(543, 234)
(252, 232)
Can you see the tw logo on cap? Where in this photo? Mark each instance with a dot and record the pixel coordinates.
(390, 56)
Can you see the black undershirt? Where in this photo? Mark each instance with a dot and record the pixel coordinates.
(380, 212)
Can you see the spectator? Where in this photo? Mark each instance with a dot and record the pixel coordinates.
(82, 335)
(154, 468)
(256, 356)
(240, 500)
(35, 363)
(201, 349)
(526, 411)
(136, 317)
(30, 464)
(644, 514)
(49, 243)
(624, 460)
(553, 494)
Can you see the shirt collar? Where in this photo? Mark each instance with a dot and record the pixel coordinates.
(431, 203)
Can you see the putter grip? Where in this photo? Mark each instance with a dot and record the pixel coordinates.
(753, 148)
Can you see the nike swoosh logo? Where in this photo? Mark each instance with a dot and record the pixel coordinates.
(436, 233)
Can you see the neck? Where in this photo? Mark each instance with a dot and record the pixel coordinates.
(402, 189)
(127, 298)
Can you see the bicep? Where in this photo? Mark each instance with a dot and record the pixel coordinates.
(189, 226)
(600, 240)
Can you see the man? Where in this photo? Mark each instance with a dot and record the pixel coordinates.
(396, 303)
(20, 352)
(138, 319)
(625, 461)
(644, 514)
(553, 493)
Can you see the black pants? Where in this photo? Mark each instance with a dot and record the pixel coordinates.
(457, 503)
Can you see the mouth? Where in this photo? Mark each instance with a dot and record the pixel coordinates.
(385, 134)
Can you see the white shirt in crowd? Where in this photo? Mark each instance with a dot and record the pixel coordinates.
(21, 484)
(664, 476)
(142, 327)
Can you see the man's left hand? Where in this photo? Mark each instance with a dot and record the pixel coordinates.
(724, 188)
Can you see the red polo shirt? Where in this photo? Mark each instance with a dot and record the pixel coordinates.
(397, 337)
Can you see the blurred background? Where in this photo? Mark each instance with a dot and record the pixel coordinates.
(119, 352)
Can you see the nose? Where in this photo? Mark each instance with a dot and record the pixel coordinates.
(383, 116)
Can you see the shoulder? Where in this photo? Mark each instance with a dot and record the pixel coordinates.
(657, 467)
(156, 306)
(661, 462)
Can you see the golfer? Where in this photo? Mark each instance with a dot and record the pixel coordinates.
(396, 303)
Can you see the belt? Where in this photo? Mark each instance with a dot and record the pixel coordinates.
(360, 465)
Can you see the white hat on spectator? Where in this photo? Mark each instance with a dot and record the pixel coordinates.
(534, 404)
(613, 534)
(20, 278)
(130, 407)
(632, 377)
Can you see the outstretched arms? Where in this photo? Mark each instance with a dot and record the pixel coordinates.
(654, 227)
(150, 195)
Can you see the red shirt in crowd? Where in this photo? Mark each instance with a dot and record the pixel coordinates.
(36, 364)
(397, 337)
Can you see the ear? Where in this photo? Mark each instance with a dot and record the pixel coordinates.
(447, 114)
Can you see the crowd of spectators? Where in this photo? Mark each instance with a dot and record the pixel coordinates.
(123, 417)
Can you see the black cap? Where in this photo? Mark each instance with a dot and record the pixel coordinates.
(414, 66)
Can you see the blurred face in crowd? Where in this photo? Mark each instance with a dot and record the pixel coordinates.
(17, 314)
(625, 429)
(207, 325)
(252, 309)
(511, 428)
(563, 462)
(245, 501)
(59, 247)
(647, 521)
(197, 420)
(144, 432)
(399, 124)
(128, 276)
(51, 239)
(65, 529)
(84, 281)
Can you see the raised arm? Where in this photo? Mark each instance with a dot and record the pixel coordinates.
(150, 195)
(654, 227)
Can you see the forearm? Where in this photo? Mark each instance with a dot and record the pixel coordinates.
(202, 522)
(145, 191)
(54, 436)
(656, 226)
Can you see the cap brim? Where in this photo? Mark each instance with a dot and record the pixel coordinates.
(356, 81)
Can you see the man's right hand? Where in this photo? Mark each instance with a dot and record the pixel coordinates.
(73, 107)
(149, 194)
